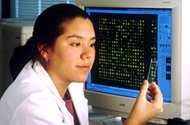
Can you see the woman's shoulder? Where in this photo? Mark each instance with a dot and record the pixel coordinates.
(33, 103)
(27, 88)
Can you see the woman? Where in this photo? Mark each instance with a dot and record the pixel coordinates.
(49, 71)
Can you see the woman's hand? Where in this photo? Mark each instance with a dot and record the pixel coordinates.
(145, 109)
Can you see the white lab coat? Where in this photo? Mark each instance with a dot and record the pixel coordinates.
(32, 99)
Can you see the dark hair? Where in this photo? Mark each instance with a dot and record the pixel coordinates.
(46, 29)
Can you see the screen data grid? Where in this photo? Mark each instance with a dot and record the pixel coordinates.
(127, 40)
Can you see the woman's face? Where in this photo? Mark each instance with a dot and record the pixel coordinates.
(72, 56)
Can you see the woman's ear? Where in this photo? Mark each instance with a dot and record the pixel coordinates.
(43, 49)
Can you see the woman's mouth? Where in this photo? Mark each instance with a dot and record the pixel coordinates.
(84, 67)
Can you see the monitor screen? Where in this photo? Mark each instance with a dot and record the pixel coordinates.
(127, 40)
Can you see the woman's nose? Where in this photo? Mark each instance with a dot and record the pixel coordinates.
(87, 52)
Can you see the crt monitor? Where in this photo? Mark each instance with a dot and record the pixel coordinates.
(130, 35)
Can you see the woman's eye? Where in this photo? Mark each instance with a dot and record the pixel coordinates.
(92, 44)
(75, 44)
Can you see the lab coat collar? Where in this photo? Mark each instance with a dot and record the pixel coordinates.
(79, 101)
(42, 73)
(76, 90)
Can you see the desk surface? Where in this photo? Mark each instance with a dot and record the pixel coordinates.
(103, 119)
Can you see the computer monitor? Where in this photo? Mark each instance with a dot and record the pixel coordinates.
(130, 35)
